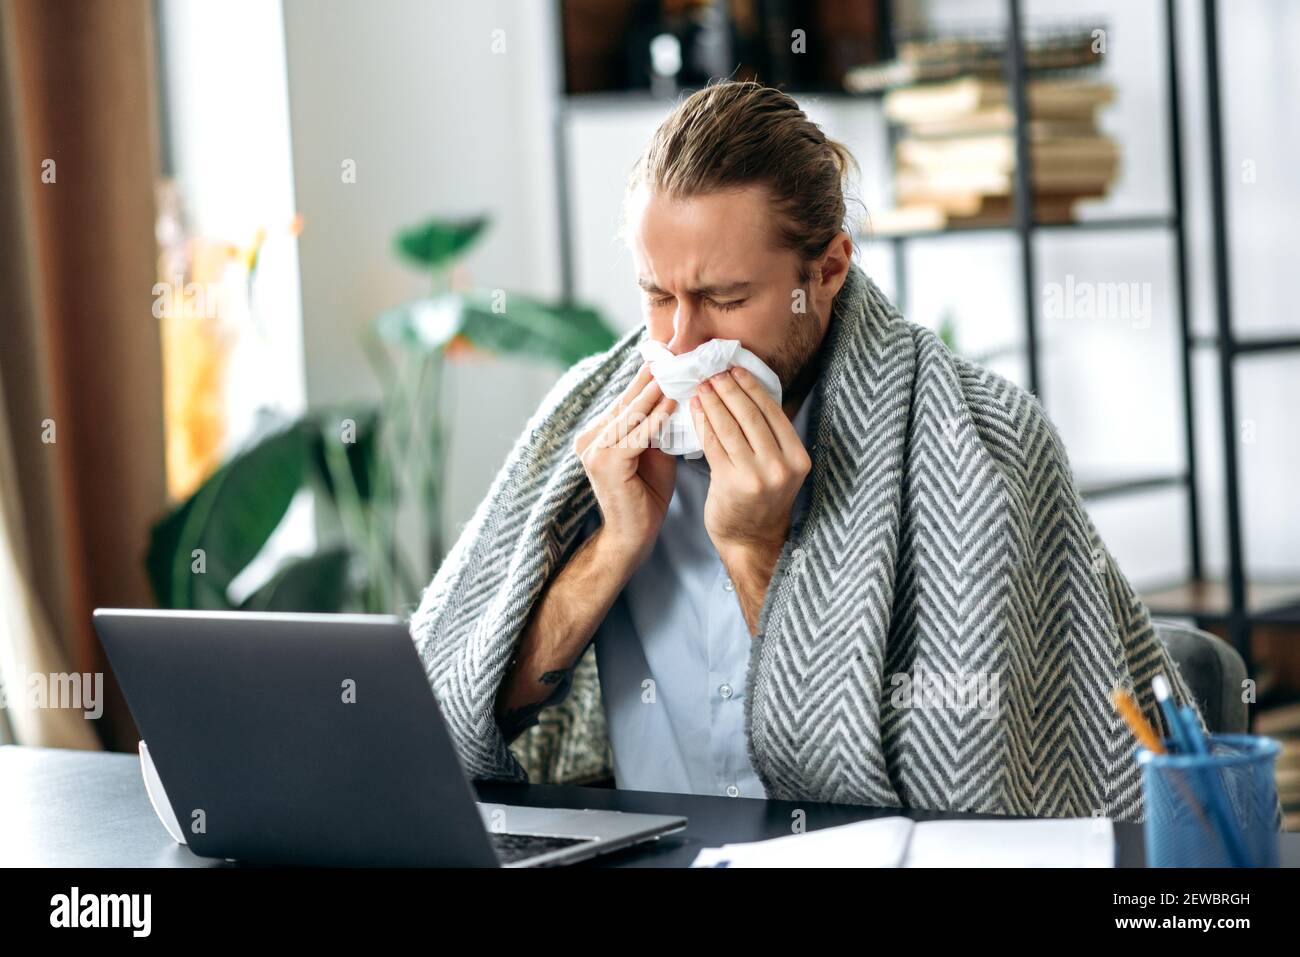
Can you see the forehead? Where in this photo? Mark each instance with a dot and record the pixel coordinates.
(709, 236)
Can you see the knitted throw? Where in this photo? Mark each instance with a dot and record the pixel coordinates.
(943, 629)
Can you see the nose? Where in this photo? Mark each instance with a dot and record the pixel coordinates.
(689, 328)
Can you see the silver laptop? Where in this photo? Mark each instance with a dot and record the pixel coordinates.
(317, 739)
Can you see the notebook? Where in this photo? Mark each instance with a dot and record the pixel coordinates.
(901, 842)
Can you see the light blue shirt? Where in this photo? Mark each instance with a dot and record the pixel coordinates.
(673, 656)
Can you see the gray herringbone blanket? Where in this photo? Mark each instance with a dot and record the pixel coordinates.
(944, 627)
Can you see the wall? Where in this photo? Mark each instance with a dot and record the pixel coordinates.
(438, 123)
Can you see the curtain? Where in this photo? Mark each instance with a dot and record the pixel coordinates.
(27, 642)
(81, 447)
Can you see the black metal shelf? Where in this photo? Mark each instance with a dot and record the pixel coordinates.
(622, 99)
(1210, 602)
(1288, 615)
(1100, 223)
(1250, 345)
(1234, 612)
(1025, 230)
(1157, 221)
(1095, 489)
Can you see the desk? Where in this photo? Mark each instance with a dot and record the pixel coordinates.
(89, 809)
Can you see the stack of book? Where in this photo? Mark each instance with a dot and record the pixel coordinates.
(929, 58)
(955, 158)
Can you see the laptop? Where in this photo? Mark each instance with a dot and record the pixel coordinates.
(317, 740)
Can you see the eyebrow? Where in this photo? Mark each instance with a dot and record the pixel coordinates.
(717, 289)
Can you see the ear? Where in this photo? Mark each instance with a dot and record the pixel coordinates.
(830, 271)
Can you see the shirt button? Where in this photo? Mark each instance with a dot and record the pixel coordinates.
(733, 791)
(725, 691)
(728, 586)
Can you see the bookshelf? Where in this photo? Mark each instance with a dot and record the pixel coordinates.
(1234, 604)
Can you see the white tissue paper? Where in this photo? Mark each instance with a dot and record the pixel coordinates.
(680, 376)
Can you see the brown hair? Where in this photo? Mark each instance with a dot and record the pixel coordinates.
(733, 134)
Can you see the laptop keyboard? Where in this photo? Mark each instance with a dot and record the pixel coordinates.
(517, 847)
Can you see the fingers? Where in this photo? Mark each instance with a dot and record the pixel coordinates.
(634, 390)
(725, 429)
(635, 387)
(709, 442)
(637, 390)
(777, 420)
(630, 416)
(642, 436)
(633, 429)
(757, 429)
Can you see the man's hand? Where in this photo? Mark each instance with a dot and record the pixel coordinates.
(757, 465)
(633, 482)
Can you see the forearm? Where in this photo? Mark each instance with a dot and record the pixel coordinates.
(570, 610)
(750, 568)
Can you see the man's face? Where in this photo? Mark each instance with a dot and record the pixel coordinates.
(709, 268)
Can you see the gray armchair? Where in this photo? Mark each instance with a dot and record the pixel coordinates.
(1213, 671)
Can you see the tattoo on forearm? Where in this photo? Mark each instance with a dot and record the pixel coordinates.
(516, 719)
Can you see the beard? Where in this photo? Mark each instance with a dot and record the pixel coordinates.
(795, 361)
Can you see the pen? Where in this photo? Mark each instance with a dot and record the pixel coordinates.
(1165, 699)
(1142, 730)
(1215, 787)
(1186, 738)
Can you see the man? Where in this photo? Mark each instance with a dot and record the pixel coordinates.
(882, 591)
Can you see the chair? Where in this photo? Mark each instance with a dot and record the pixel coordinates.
(1213, 671)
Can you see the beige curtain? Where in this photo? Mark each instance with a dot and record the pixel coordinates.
(79, 347)
(27, 642)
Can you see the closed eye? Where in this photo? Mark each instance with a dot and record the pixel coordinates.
(662, 301)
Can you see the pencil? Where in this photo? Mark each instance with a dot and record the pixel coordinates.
(1142, 729)
(1127, 706)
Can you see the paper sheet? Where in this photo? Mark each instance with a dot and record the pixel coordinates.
(880, 842)
(899, 842)
(1043, 842)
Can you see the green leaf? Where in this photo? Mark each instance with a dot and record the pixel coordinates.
(948, 331)
(427, 324)
(313, 583)
(508, 324)
(165, 550)
(519, 325)
(230, 517)
(361, 454)
(436, 242)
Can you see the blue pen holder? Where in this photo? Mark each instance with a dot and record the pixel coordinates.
(1174, 784)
